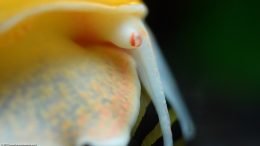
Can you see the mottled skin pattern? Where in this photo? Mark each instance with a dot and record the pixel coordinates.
(93, 94)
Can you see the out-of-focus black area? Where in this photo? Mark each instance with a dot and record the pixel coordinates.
(213, 49)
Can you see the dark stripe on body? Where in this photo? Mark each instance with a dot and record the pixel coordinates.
(176, 134)
(149, 121)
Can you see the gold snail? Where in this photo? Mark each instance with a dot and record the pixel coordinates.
(71, 73)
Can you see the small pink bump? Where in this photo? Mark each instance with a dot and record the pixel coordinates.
(136, 40)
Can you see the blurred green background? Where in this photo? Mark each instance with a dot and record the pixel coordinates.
(213, 48)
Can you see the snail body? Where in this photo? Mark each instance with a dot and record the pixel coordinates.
(71, 72)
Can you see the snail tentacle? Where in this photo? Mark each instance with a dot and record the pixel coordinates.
(173, 96)
(149, 74)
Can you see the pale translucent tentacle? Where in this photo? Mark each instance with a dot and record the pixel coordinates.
(172, 93)
(149, 74)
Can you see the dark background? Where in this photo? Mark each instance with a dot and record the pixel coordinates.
(213, 48)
